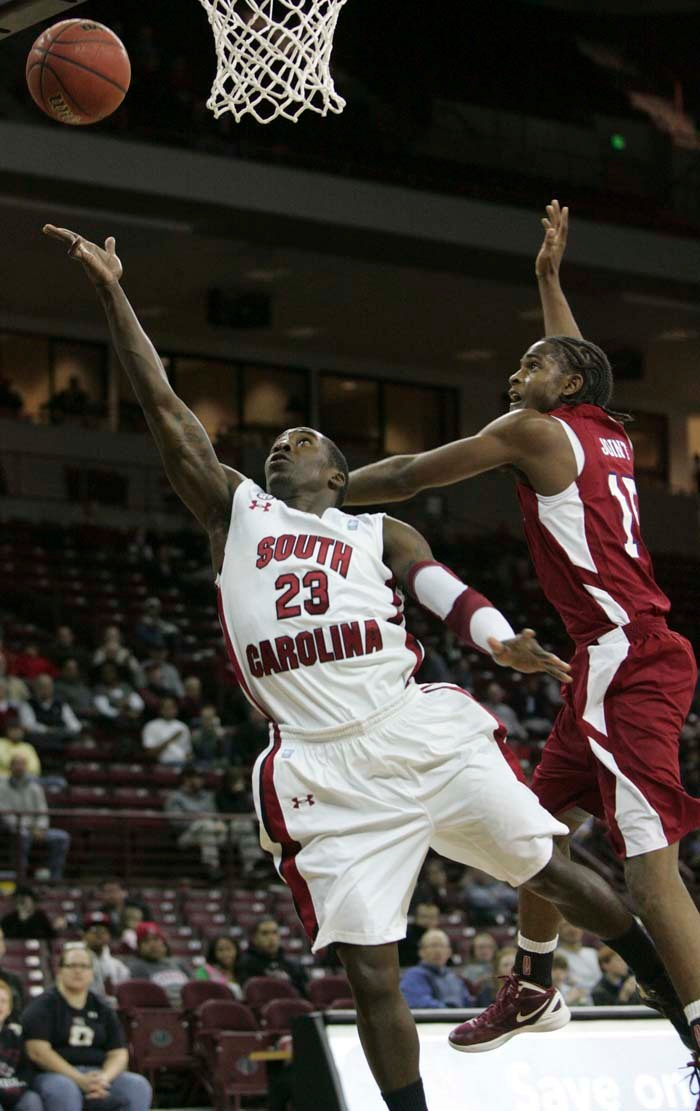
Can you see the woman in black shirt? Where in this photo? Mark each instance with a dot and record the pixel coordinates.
(76, 1042)
(15, 1072)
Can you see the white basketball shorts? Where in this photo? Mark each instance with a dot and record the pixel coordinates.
(349, 813)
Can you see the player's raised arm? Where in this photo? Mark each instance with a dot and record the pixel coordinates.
(558, 317)
(515, 439)
(188, 456)
(464, 610)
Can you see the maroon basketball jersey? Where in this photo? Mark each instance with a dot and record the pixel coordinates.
(585, 542)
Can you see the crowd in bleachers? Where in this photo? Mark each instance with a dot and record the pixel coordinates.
(121, 718)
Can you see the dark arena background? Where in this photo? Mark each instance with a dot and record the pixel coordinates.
(370, 274)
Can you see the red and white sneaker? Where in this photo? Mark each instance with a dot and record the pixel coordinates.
(519, 1008)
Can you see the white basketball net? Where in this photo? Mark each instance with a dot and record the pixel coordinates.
(273, 57)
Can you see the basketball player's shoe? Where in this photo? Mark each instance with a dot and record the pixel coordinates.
(520, 1007)
(662, 998)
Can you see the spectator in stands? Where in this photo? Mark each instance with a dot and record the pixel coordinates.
(48, 721)
(480, 966)
(107, 971)
(153, 962)
(495, 702)
(25, 815)
(72, 689)
(152, 631)
(11, 402)
(501, 966)
(532, 705)
(264, 957)
(488, 902)
(432, 885)
(170, 678)
(112, 651)
(76, 1042)
(190, 810)
(17, 689)
(27, 920)
(153, 691)
(13, 744)
(220, 964)
(116, 701)
(234, 801)
(426, 916)
(116, 902)
(72, 401)
(133, 916)
(14, 982)
(65, 647)
(431, 983)
(30, 663)
(9, 708)
(15, 1071)
(574, 995)
(192, 702)
(615, 987)
(211, 742)
(583, 959)
(166, 737)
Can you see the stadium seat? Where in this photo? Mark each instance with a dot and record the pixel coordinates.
(342, 1004)
(225, 1067)
(278, 1014)
(197, 992)
(157, 1035)
(323, 991)
(260, 990)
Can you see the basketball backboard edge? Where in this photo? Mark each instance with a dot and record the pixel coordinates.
(16, 15)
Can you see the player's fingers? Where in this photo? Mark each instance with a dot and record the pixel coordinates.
(111, 245)
(58, 233)
(76, 249)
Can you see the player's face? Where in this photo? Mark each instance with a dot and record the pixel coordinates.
(539, 382)
(298, 460)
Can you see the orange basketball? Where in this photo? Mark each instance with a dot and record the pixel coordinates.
(78, 71)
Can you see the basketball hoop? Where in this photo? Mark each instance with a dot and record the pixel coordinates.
(273, 57)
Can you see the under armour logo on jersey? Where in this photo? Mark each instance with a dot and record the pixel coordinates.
(303, 800)
(353, 524)
(256, 504)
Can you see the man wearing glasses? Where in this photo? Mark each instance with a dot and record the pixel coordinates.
(75, 1042)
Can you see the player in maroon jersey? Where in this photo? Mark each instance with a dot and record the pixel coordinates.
(613, 751)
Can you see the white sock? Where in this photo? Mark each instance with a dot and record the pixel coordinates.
(692, 1010)
(544, 947)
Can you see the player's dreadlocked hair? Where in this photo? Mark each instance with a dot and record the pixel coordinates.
(580, 356)
(337, 459)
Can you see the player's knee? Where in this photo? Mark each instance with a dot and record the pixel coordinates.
(553, 880)
(372, 976)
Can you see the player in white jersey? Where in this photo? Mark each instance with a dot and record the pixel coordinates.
(365, 770)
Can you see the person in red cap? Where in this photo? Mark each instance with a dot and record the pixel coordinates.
(153, 962)
(107, 971)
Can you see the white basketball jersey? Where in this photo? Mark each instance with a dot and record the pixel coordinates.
(313, 621)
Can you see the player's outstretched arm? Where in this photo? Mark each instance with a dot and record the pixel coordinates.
(188, 456)
(518, 439)
(558, 317)
(464, 610)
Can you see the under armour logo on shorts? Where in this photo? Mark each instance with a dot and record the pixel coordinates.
(303, 800)
(255, 504)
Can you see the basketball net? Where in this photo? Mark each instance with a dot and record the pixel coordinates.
(273, 57)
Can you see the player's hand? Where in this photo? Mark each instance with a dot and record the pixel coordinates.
(101, 264)
(523, 653)
(556, 230)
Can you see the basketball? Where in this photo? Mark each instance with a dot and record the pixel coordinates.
(78, 71)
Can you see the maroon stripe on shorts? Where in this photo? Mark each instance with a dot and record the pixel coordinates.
(276, 828)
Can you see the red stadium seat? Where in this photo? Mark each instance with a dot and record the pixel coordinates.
(323, 991)
(347, 1004)
(278, 1014)
(157, 1035)
(260, 990)
(197, 992)
(225, 1067)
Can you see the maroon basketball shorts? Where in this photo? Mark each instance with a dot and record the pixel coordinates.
(613, 750)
